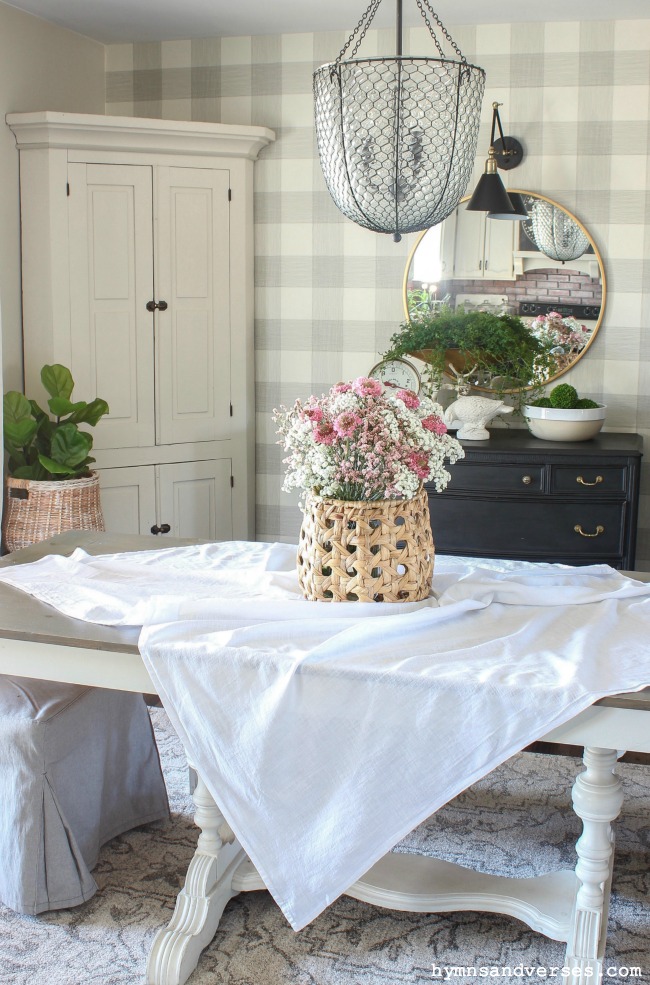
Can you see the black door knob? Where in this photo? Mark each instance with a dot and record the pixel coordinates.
(164, 528)
(160, 305)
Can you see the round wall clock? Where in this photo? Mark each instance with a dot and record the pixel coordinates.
(397, 372)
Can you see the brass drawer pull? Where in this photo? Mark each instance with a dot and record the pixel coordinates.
(526, 479)
(599, 530)
(582, 482)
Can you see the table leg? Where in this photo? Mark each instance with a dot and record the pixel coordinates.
(597, 800)
(208, 888)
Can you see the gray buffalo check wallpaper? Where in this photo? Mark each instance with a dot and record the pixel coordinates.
(328, 293)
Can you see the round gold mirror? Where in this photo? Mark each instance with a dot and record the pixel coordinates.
(545, 269)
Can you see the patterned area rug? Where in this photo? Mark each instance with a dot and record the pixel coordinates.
(516, 821)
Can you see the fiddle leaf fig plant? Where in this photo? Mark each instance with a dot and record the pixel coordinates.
(43, 448)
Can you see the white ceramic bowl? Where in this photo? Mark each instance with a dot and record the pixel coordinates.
(554, 424)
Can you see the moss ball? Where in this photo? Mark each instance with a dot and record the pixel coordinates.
(542, 402)
(564, 396)
(586, 404)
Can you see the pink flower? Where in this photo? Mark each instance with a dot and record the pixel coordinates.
(324, 433)
(341, 388)
(434, 424)
(419, 463)
(347, 423)
(409, 398)
(313, 413)
(366, 387)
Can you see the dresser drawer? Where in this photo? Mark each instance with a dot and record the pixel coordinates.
(514, 529)
(478, 477)
(589, 480)
(516, 496)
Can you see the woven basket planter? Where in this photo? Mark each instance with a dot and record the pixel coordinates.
(366, 551)
(35, 509)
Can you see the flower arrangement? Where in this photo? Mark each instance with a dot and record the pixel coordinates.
(563, 335)
(361, 441)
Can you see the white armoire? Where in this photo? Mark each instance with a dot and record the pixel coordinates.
(137, 243)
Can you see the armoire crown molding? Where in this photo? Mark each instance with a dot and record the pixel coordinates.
(48, 129)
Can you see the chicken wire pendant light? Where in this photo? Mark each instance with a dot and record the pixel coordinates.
(554, 233)
(397, 136)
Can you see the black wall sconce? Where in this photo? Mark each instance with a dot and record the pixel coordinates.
(490, 194)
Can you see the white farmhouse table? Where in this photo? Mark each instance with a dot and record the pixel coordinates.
(567, 905)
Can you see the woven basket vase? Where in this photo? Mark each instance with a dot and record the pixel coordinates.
(38, 509)
(366, 551)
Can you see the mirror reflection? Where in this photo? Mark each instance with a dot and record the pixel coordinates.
(545, 269)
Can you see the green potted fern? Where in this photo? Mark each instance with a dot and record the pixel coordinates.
(500, 350)
(50, 486)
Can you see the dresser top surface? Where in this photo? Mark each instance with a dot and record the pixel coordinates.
(521, 440)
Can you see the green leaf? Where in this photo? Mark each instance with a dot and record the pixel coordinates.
(56, 468)
(19, 434)
(17, 459)
(69, 445)
(60, 406)
(37, 411)
(90, 413)
(19, 425)
(33, 471)
(57, 380)
(16, 407)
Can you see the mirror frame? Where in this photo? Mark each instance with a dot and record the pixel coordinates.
(597, 256)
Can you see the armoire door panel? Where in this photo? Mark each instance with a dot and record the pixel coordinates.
(128, 497)
(194, 498)
(111, 280)
(192, 249)
(192, 336)
(111, 228)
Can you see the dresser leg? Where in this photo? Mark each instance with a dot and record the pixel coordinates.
(597, 800)
(208, 888)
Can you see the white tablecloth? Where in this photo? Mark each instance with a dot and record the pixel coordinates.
(326, 732)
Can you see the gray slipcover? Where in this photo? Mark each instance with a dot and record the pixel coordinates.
(78, 765)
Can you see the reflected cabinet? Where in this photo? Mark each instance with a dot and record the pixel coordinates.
(518, 497)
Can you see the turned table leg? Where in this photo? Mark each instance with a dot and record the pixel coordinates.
(208, 887)
(597, 800)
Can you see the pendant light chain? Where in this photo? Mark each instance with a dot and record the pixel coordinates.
(364, 23)
(425, 10)
(424, 6)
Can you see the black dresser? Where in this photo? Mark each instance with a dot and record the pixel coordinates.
(515, 496)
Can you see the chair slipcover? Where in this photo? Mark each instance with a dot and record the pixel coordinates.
(78, 766)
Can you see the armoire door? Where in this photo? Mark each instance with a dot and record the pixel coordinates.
(192, 277)
(110, 216)
(194, 498)
(128, 497)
